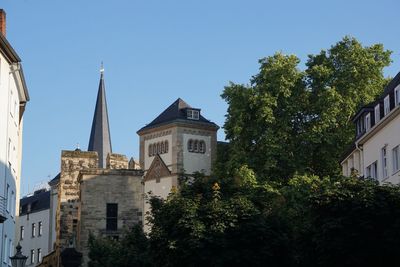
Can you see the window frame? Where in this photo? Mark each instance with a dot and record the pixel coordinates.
(193, 114)
(397, 96)
(112, 217)
(190, 145)
(40, 228)
(396, 159)
(39, 255)
(368, 121)
(386, 105)
(385, 172)
(377, 113)
(21, 232)
(32, 256)
(33, 228)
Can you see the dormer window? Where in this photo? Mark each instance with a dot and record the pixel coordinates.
(386, 105)
(360, 126)
(377, 113)
(193, 114)
(397, 96)
(367, 121)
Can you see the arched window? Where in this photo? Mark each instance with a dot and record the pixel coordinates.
(158, 148)
(166, 146)
(202, 147)
(162, 148)
(154, 149)
(150, 150)
(190, 145)
(195, 146)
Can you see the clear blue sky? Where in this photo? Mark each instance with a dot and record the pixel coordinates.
(157, 51)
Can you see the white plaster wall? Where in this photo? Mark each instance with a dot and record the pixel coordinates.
(166, 157)
(389, 136)
(52, 218)
(160, 189)
(29, 242)
(9, 162)
(193, 162)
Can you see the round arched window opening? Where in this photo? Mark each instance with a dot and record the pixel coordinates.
(166, 146)
(202, 147)
(190, 145)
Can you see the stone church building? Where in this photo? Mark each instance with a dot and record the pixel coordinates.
(101, 193)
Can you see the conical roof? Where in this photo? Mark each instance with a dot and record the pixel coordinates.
(100, 139)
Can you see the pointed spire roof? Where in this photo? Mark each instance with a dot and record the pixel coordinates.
(100, 139)
(177, 111)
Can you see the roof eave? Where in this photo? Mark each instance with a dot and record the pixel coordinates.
(177, 121)
(8, 51)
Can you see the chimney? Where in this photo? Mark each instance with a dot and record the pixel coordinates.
(3, 22)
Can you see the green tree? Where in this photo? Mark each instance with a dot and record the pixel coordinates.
(131, 250)
(289, 121)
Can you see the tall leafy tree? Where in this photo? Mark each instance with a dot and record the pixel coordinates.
(289, 121)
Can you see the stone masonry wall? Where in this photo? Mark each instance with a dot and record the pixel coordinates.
(72, 162)
(117, 161)
(102, 186)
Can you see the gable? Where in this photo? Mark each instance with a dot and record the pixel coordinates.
(157, 170)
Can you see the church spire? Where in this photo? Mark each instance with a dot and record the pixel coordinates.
(100, 139)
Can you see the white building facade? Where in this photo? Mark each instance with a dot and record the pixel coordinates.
(13, 98)
(376, 150)
(33, 229)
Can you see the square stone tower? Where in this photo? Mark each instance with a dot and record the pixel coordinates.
(179, 140)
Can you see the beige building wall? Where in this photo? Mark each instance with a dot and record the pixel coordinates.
(99, 187)
(385, 134)
(388, 137)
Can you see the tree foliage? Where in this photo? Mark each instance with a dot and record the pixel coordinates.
(308, 221)
(290, 121)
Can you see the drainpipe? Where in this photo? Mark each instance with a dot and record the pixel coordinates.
(361, 157)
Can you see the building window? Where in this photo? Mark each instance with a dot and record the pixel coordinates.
(377, 113)
(360, 126)
(39, 255)
(158, 148)
(397, 96)
(5, 249)
(21, 233)
(10, 251)
(368, 121)
(384, 163)
(396, 159)
(162, 147)
(372, 171)
(193, 114)
(154, 149)
(166, 147)
(190, 145)
(202, 147)
(12, 204)
(8, 198)
(195, 146)
(112, 217)
(40, 224)
(32, 256)
(386, 105)
(33, 230)
(150, 150)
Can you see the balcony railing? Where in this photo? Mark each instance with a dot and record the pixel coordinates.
(3, 203)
